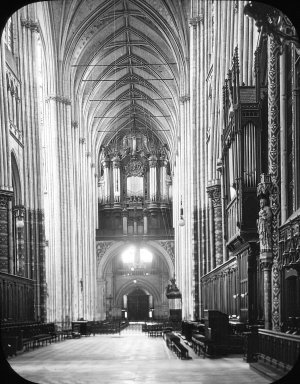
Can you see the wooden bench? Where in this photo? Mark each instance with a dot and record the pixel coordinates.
(31, 335)
(171, 338)
(180, 350)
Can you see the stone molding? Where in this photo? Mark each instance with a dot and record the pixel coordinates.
(214, 192)
(194, 21)
(168, 245)
(184, 98)
(273, 168)
(102, 247)
(33, 25)
(59, 99)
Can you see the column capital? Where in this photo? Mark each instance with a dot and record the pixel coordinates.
(59, 99)
(184, 98)
(116, 162)
(19, 210)
(194, 21)
(266, 260)
(30, 24)
(124, 213)
(266, 265)
(214, 192)
(152, 161)
(146, 212)
(106, 162)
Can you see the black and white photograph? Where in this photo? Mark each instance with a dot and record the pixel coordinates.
(149, 192)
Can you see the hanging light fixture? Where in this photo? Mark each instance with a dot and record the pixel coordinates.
(181, 220)
(19, 216)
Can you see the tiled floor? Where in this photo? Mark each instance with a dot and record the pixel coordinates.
(131, 357)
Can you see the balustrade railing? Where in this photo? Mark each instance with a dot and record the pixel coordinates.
(278, 349)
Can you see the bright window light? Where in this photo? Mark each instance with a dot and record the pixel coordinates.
(128, 255)
(145, 255)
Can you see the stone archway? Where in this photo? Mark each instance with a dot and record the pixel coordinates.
(113, 285)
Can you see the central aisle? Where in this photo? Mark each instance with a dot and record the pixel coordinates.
(131, 357)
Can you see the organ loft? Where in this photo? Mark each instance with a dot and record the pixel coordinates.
(150, 185)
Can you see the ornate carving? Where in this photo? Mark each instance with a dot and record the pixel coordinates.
(273, 139)
(265, 187)
(4, 200)
(264, 226)
(193, 21)
(214, 192)
(184, 98)
(59, 99)
(74, 124)
(82, 140)
(152, 161)
(168, 245)
(102, 247)
(33, 25)
(134, 168)
(116, 162)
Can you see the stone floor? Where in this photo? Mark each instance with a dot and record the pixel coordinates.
(131, 357)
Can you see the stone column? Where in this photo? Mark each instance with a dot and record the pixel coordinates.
(163, 179)
(153, 178)
(169, 188)
(106, 180)
(266, 264)
(135, 220)
(264, 228)
(125, 221)
(116, 180)
(214, 192)
(283, 131)
(19, 214)
(145, 215)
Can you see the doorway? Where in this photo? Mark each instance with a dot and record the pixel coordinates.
(138, 305)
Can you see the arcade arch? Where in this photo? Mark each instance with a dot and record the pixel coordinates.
(116, 279)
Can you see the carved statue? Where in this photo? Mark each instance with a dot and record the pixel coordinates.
(264, 225)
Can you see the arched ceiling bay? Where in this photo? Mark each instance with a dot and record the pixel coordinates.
(124, 59)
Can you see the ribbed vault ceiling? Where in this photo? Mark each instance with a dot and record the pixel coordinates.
(124, 59)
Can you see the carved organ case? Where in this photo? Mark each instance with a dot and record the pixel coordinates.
(241, 158)
(242, 155)
(134, 187)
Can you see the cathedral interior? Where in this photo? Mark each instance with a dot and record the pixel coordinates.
(149, 174)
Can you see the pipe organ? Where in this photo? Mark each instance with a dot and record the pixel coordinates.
(135, 186)
(234, 287)
(241, 157)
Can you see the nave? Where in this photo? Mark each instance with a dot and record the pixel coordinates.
(128, 357)
(149, 171)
